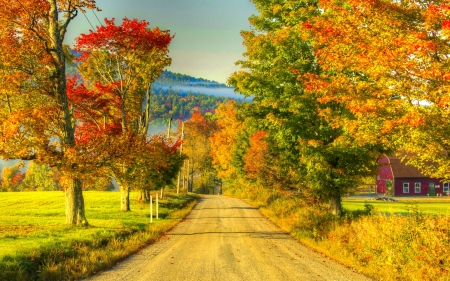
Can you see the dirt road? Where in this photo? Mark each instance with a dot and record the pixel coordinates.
(226, 239)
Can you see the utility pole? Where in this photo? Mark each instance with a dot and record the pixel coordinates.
(184, 175)
(181, 151)
(169, 128)
(188, 177)
(182, 137)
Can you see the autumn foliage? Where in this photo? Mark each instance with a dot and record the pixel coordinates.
(335, 85)
(392, 74)
(256, 156)
(131, 35)
(223, 140)
(120, 63)
(88, 125)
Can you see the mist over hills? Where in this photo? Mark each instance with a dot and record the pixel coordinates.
(178, 96)
(185, 84)
(182, 83)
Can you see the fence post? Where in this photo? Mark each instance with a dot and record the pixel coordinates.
(151, 209)
(157, 209)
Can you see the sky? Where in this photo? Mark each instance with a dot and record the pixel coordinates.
(207, 39)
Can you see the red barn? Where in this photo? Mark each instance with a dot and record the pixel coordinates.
(406, 180)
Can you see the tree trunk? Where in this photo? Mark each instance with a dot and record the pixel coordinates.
(124, 198)
(124, 190)
(75, 204)
(335, 205)
(75, 214)
(141, 196)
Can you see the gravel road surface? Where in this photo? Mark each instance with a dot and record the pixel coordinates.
(227, 239)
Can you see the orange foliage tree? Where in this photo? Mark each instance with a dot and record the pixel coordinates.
(256, 156)
(36, 117)
(393, 73)
(224, 139)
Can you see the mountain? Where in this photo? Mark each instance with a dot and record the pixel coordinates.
(168, 77)
(177, 96)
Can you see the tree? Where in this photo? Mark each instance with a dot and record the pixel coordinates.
(128, 59)
(125, 59)
(197, 147)
(37, 119)
(161, 163)
(224, 139)
(99, 183)
(395, 64)
(40, 177)
(319, 148)
(256, 156)
(12, 178)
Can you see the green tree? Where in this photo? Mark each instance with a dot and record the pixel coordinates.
(197, 148)
(319, 148)
(40, 177)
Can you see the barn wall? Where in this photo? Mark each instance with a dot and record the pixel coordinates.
(424, 182)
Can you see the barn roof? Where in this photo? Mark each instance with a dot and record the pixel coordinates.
(401, 170)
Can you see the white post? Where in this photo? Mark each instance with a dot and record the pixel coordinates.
(151, 209)
(157, 205)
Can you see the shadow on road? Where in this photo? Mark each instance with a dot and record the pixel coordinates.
(270, 235)
(226, 218)
(230, 208)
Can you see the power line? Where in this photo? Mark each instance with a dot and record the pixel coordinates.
(89, 21)
(95, 14)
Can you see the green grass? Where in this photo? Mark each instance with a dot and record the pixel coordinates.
(36, 244)
(425, 206)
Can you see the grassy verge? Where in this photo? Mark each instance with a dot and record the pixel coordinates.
(404, 245)
(35, 244)
(426, 206)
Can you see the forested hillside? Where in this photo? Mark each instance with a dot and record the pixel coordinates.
(181, 104)
(168, 77)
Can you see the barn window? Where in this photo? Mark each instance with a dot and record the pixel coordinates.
(417, 187)
(446, 187)
(406, 187)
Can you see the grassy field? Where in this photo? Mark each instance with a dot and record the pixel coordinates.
(403, 206)
(35, 243)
